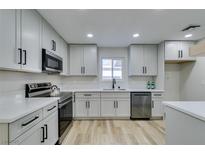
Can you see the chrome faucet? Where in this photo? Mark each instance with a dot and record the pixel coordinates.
(113, 83)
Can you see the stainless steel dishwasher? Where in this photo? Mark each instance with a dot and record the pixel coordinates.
(141, 105)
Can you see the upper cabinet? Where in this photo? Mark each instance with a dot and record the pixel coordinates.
(178, 51)
(83, 60)
(143, 60)
(10, 57)
(64, 55)
(20, 40)
(50, 39)
(30, 31)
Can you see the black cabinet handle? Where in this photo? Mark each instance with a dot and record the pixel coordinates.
(43, 139)
(20, 51)
(46, 126)
(53, 45)
(25, 124)
(51, 108)
(25, 57)
(143, 70)
(181, 54)
(87, 95)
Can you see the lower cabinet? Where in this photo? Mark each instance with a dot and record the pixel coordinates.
(115, 107)
(43, 133)
(87, 108)
(157, 107)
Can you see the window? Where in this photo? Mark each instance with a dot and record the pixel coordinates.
(111, 68)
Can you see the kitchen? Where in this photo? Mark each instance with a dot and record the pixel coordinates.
(64, 83)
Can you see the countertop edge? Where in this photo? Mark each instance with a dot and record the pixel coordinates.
(167, 103)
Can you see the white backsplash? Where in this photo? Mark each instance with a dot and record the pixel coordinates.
(14, 82)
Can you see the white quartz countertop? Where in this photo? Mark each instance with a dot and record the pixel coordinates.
(110, 90)
(12, 109)
(193, 108)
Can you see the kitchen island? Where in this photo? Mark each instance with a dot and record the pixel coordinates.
(184, 122)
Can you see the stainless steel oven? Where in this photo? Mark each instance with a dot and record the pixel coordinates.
(51, 63)
(65, 116)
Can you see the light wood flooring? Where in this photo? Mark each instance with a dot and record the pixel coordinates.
(116, 132)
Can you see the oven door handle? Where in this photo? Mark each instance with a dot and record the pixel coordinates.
(63, 104)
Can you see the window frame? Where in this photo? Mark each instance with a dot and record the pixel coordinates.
(112, 58)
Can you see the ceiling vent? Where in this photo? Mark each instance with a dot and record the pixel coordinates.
(191, 27)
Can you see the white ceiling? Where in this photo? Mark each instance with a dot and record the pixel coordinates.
(116, 27)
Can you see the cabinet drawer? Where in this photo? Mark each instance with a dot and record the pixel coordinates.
(87, 95)
(20, 126)
(115, 95)
(157, 95)
(50, 109)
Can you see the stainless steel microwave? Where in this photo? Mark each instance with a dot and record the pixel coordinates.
(51, 63)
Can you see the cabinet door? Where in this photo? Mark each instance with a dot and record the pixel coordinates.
(33, 136)
(90, 59)
(30, 40)
(51, 128)
(150, 60)
(64, 55)
(81, 108)
(94, 108)
(136, 61)
(107, 108)
(9, 54)
(185, 45)
(47, 37)
(123, 108)
(171, 50)
(76, 60)
(157, 108)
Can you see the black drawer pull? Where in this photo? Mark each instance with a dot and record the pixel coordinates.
(46, 131)
(43, 139)
(25, 124)
(157, 94)
(87, 95)
(51, 108)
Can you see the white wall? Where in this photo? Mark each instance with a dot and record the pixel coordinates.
(14, 82)
(172, 82)
(192, 80)
(96, 82)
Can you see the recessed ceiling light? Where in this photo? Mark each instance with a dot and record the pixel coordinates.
(188, 35)
(89, 35)
(136, 35)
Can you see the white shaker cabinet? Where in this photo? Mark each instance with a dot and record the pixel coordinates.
(50, 39)
(178, 51)
(150, 60)
(20, 40)
(136, 61)
(81, 108)
(157, 106)
(87, 105)
(10, 56)
(83, 60)
(143, 60)
(64, 55)
(115, 105)
(108, 108)
(30, 40)
(76, 60)
(43, 133)
(90, 60)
